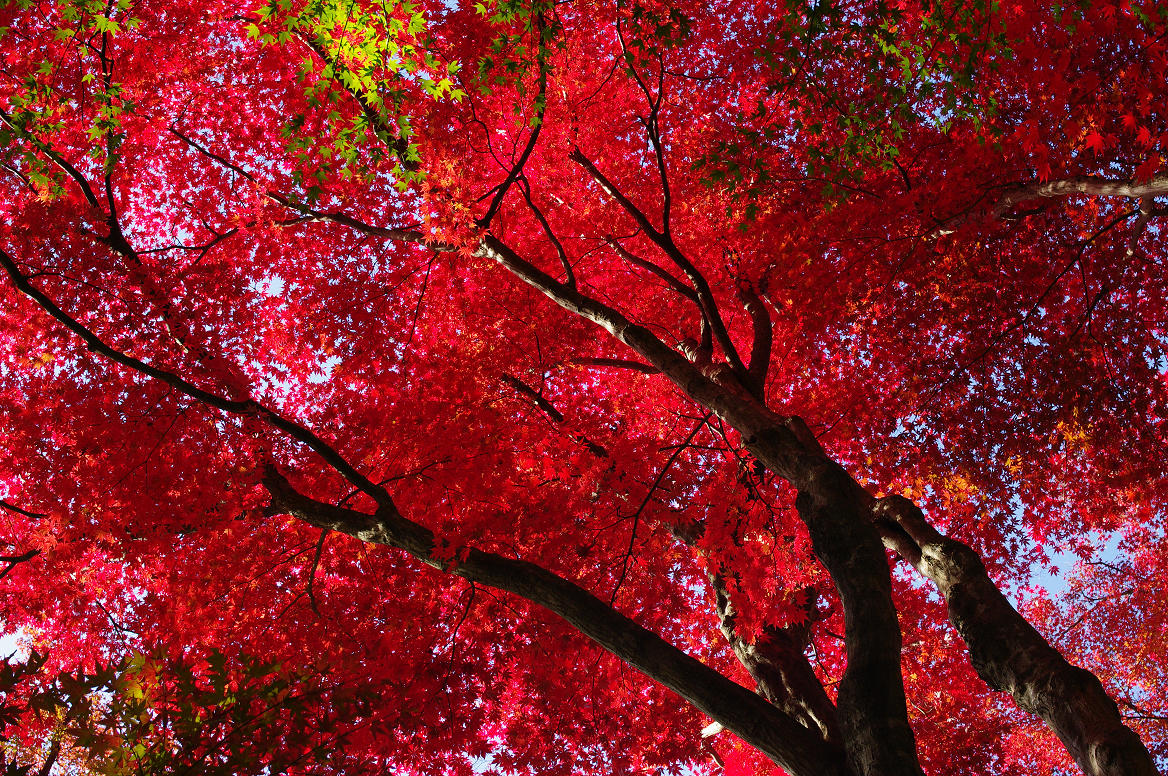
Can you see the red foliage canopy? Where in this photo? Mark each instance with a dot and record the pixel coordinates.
(647, 324)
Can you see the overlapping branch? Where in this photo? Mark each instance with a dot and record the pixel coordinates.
(872, 708)
(12, 561)
(838, 511)
(739, 710)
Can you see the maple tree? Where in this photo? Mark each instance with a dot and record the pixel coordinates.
(572, 375)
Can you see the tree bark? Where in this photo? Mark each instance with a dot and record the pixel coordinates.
(1005, 649)
(777, 663)
(872, 709)
(1010, 655)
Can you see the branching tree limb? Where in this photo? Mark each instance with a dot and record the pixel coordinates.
(741, 711)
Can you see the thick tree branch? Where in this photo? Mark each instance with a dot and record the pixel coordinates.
(760, 351)
(835, 508)
(51, 758)
(872, 708)
(741, 711)
(1009, 654)
(1084, 185)
(1090, 185)
(777, 660)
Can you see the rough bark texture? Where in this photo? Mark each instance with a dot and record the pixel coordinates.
(872, 708)
(777, 663)
(1004, 648)
(1010, 655)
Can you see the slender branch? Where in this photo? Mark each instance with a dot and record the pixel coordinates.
(517, 169)
(14, 560)
(393, 233)
(618, 363)
(554, 414)
(536, 397)
(54, 157)
(666, 244)
(385, 133)
(569, 273)
(13, 508)
(1035, 305)
(656, 269)
(243, 407)
(312, 571)
(645, 502)
(652, 124)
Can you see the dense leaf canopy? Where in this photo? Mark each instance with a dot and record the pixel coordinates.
(580, 296)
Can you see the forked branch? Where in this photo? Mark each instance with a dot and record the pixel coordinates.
(666, 244)
(741, 711)
(12, 561)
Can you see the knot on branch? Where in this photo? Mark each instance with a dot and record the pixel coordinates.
(946, 561)
(698, 353)
(902, 512)
(896, 508)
